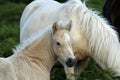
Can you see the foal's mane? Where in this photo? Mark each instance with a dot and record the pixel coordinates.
(35, 36)
(103, 42)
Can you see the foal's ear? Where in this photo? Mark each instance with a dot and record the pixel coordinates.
(69, 25)
(55, 27)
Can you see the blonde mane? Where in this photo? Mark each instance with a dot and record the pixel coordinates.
(25, 43)
(103, 42)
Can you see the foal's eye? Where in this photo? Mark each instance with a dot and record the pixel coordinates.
(58, 43)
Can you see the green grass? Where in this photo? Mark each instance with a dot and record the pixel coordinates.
(9, 36)
(9, 27)
(95, 4)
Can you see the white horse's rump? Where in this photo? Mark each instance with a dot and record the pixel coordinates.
(92, 35)
(31, 8)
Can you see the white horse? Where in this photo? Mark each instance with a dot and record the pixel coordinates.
(92, 35)
(34, 57)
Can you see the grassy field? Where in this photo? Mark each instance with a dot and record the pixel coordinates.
(10, 13)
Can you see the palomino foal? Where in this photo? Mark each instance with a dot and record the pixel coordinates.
(34, 57)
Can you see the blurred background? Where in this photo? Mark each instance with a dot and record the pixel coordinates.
(10, 12)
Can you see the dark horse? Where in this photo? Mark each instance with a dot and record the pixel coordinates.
(111, 11)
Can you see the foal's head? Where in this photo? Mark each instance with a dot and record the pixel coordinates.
(62, 43)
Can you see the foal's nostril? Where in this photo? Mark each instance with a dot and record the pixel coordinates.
(71, 62)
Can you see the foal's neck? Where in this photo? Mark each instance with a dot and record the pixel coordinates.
(41, 52)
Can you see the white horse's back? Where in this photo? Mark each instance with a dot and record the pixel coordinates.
(32, 7)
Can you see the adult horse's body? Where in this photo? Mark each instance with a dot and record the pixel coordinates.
(91, 34)
(34, 57)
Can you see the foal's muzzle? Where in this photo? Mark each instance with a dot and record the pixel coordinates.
(71, 62)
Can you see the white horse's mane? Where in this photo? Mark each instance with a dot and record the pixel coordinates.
(25, 43)
(103, 42)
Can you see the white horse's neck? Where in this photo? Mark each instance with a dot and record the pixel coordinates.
(103, 43)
